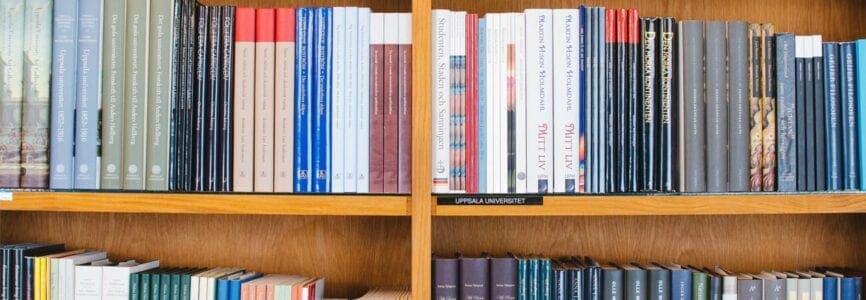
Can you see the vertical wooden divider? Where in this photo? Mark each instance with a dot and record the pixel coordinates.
(421, 174)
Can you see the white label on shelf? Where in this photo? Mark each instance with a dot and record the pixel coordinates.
(5, 196)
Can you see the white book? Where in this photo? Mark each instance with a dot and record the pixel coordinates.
(244, 107)
(506, 42)
(519, 32)
(88, 280)
(284, 104)
(363, 105)
(566, 99)
(195, 283)
(458, 52)
(539, 104)
(263, 147)
(817, 282)
(490, 93)
(441, 142)
(494, 103)
(350, 113)
(67, 271)
(115, 279)
(208, 290)
(338, 99)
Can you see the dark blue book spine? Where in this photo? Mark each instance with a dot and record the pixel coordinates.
(681, 285)
(801, 118)
(833, 125)
(831, 290)
(811, 118)
(212, 107)
(850, 148)
(322, 104)
(199, 172)
(63, 83)
(303, 96)
(581, 117)
(28, 278)
(576, 286)
(593, 287)
(849, 288)
(560, 285)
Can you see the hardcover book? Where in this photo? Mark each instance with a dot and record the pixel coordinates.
(851, 178)
(539, 105)
(566, 99)
(338, 97)
(441, 97)
(755, 108)
(694, 106)
(404, 97)
(633, 99)
(716, 89)
(350, 184)
(377, 106)
(860, 61)
(649, 126)
(768, 108)
(362, 164)
(113, 96)
(810, 117)
(820, 115)
(303, 100)
(11, 91)
(63, 90)
(445, 278)
(159, 91)
(738, 107)
(225, 118)
(36, 79)
(670, 118)
(832, 117)
(211, 111)
(321, 104)
(801, 54)
(787, 113)
(88, 95)
(283, 100)
(391, 105)
(244, 97)
(135, 108)
(264, 101)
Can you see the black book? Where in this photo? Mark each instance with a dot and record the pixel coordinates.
(658, 282)
(578, 279)
(201, 98)
(634, 99)
(648, 109)
(716, 284)
(214, 84)
(593, 280)
(800, 62)
(28, 278)
(561, 281)
(610, 100)
(635, 282)
(445, 278)
(189, 105)
(621, 146)
(474, 278)
(503, 278)
(668, 162)
(809, 92)
(612, 285)
(18, 273)
(227, 99)
(820, 116)
(177, 11)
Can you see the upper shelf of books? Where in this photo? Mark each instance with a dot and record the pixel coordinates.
(375, 5)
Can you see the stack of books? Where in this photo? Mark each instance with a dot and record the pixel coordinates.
(597, 100)
(535, 277)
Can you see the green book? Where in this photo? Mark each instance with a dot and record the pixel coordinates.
(185, 281)
(156, 285)
(700, 285)
(522, 279)
(134, 286)
(165, 284)
(546, 275)
(175, 283)
(159, 93)
(145, 284)
(136, 94)
(113, 66)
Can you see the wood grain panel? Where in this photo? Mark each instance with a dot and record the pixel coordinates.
(352, 253)
(741, 243)
(376, 5)
(836, 19)
(421, 150)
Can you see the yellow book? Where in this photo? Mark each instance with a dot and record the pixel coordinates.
(37, 270)
(43, 281)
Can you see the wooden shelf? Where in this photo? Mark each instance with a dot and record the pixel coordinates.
(661, 205)
(201, 203)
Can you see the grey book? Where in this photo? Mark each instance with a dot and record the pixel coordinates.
(694, 110)
(113, 93)
(612, 283)
(474, 278)
(636, 287)
(715, 285)
(659, 282)
(503, 278)
(749, 288)
(804, 286)
(589, 80)
(786, 109)
(816, 284)
(445, 278)
(136, 94)
(774, 287)
(159, 93)
(717, 108)
(738, 107)
(600, 100)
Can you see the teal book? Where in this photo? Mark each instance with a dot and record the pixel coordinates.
(861, 103)
(135, 286)
(37, 88)
(113, 63)
(145, 284)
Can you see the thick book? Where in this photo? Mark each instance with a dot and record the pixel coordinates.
(404, 99)
(850, 151)
(716, 88)
(860, 82)
(474, 278)
(244, 96)
(88, 95)
(35, 107)
(377, 106)
(700, 285)
(820, 115)
(159, 90)
(768, 108)
(186, 156)
(669, 161)
(658, 283)
(135, 108)
(391, 90)
(832, 117)
(214, 75)
(636, 282)
(633, 99)
(113, 94)
(225, 116)
(786, 107)
(303, 100)
(539, 104)
(694, 106)
(648, 107)
(263, 156)
(321, 104)
(755, 108)
(566, 99)
(749, 288)
(800, 52)
(339, 99)
(63, 92)
(441, 96)
(12, 59)
(362, 165)
(738, 107)
(503, 278)
(613, 284)
(284, 109)
(445, 278)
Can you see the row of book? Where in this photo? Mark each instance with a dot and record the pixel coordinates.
(578, 278)
(174, 95)
(49, 272)
(595, 100)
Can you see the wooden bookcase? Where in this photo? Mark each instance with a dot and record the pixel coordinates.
(363, 241)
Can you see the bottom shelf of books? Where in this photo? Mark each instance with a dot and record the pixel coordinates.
(335, 257)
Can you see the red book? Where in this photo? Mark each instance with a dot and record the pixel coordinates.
(377, 107)
(471, 104)
(404, 76)
(391, 89)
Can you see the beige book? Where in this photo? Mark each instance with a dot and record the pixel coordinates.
(263, 152)
(245, 68)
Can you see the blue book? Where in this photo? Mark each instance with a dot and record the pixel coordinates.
(303, 96)
(681, 284)
(830, 285)
(786, 107)
(234, 291)
(222, 289)
(321, 108)
(849, 288)
(88, 91)
(63, 83)
(833, 122)
(581, 118)
(861, 103)
(850, 149)
(482, 106)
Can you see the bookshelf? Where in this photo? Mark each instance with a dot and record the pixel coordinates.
(361, 241)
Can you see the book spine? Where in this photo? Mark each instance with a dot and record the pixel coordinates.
(566, 99)
(404, 98)
(264, 101)
(738, 107)
(159, 91)
(633, 101)
(87, 108)
(587, 19)
(445, 279)
(700, 285)
(321, 133)
(441, 96)
(787, 112)
(659, 285)
(495, 106)
(502, 91)
(362, 164)
(716, 108)
(135, 108)
(810, 117)
(503, 278)
(37, 67)
(509, 147)
(482, 107)
(620, 105)
(474, 278)
(283, 105)
(226, 101)
(214, 75)
(604, 65)
(755, 108)
(63, 90)
(851, 180)
(860, 60)
(612, 287)
(12, 58)
(198, 170)
(457, 20)
(583, 88)
(636, 285)
(832, 118)
(831, 288)
(801, 112)
(177, 90)
(848, 288)
(303, 100)
(539, 105)
(768, 107)
(649, 126)
(681, 280)
(187, 168)
(471, 105)
(669, 161)
(338, 103)
(244, 95)
(113, 60)
(694, 106)
(518, 37)
(350, 167)
(820, 116)
(377, 103)
(749, 289)
(716, 288)
(391, 105)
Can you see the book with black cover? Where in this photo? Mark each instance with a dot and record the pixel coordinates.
(577, 277)
(176, 92)
(658, 282)
(190, 41)
(634, 100)
(810, 117)
(801, 112)
(561, 281)
(820, 115)
(225, 118)
(715, 285)
(668, 162)
(214, 78)
(610, 99)
(636, 279)
(593, 285)
(199, 171)
(648, 110)
(612, 286)
(445, 278)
